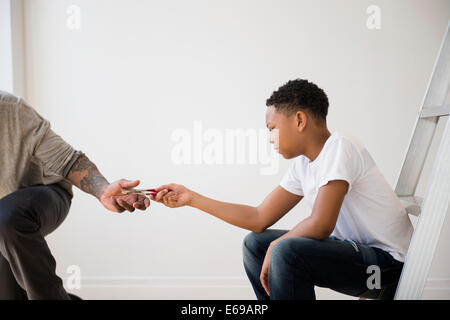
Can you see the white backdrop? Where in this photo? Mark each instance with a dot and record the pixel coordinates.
(117, 82)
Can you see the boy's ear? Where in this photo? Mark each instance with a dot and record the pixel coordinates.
(301, 119)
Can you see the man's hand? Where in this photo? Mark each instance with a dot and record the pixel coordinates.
(173, 195)
(85, 175)
(113, 199)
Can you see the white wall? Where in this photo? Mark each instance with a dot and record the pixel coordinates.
(12, 68)
(6, 74)
(135, 71)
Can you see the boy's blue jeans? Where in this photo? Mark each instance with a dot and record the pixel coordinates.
(299, 264)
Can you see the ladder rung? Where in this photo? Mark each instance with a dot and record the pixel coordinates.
(438, 111)
(412, 204)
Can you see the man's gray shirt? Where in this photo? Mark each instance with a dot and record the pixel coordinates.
(30, 152)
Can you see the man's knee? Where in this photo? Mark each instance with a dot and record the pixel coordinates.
(12, 219)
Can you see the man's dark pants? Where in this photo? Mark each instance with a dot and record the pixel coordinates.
(27, 267)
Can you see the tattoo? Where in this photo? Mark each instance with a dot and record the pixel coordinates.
(85, 175)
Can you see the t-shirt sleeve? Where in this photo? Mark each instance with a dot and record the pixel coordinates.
(291, 181)
(343, 162)
(55, 154)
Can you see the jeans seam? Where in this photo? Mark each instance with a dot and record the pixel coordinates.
(353, 243)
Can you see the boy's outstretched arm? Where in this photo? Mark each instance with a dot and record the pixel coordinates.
(256, 219)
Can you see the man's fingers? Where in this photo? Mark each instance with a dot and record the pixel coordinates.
(118, 208)
(141, 202)
(126, 184)
(139, 205)
(125, 205)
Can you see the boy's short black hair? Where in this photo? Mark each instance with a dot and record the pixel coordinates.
(300, 94)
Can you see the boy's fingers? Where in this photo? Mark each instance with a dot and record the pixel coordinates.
(169, 194)
(160, 194)
(166, 186)
(166, 201)
(146, 203)
(264, 283)
(172, 198)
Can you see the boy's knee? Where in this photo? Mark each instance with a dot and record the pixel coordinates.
(288, 249)
(281, 250)
(254, 241)
(250, 242)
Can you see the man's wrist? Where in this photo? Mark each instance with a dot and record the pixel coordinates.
(85, 175)
(102, 190)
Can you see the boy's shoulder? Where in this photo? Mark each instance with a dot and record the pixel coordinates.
(349, 149)
(344, 141)
(345, 138)
(337, 143)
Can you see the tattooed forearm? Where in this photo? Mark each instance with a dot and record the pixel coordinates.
(85, 175)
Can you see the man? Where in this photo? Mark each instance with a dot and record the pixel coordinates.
(37, 171)
(356, 220)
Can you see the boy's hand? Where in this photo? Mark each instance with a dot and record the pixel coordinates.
(173, 195)
(264, 276)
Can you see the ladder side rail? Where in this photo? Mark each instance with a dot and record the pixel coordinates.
(415, 155)
(426, 235)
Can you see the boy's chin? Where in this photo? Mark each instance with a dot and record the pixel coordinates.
(284, 155)
(288, 155)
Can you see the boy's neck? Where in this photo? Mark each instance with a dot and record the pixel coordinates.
(317, 141)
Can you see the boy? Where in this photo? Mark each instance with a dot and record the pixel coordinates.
(356, 221)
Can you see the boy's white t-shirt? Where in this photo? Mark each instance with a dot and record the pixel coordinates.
(371, 213)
